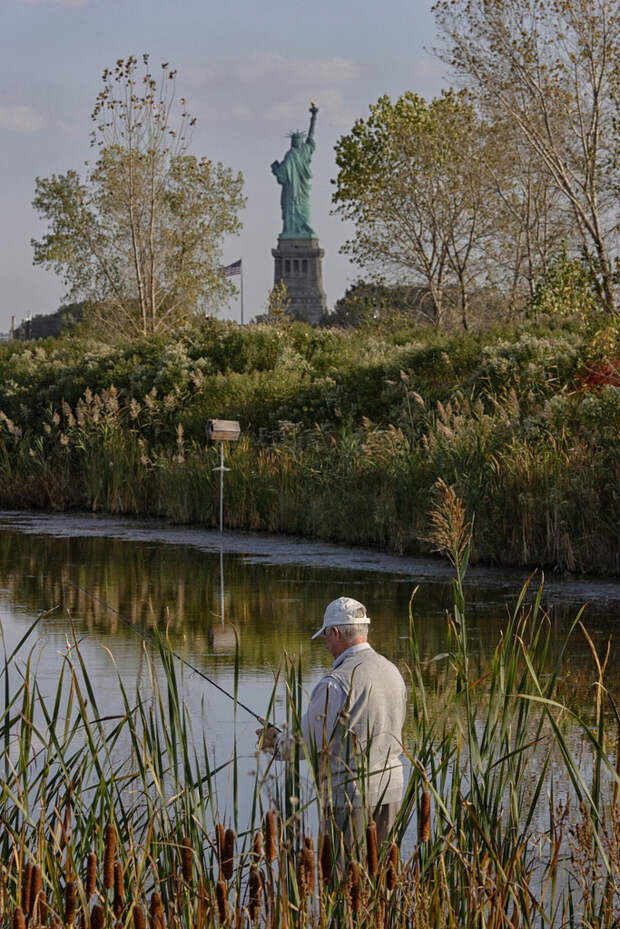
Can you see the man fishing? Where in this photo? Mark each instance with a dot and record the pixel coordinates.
(352, 727)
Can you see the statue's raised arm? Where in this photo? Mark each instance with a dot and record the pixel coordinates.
(294, 175)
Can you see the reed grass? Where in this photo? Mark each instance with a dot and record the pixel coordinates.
(105, 820)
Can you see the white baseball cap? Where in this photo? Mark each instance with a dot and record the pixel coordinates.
(343, 612)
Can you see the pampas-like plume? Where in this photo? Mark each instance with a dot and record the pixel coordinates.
(221, 893)
(228, 855)
(392, 867)
(90, 883)
(69, 903)
(19, 919)
(372, 850)
(108, 860)
(424, 824)
(187, 864)
(270, 836)
(97, 917)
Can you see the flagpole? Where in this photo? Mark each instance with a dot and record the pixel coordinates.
(242, 291)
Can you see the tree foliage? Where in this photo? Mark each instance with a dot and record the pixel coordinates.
(139, 238)
(550, 68)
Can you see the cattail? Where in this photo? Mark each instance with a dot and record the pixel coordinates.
(97, 917)
(139, 920)
(119, 890)
(26, 887)
(90, 883)
(19, 920)
(424, 825)
(228, 854)
(305, 870)
(157, 911)
(36, 886)
(186, 860)
(392, 867)
(354, 887)
(257, 846)
(372, 851)
(69, 902)
(221, 893)
(270, 836)
(310, 862)
(41, 909)
(326, 859)
(256, 892)
(108, 860)
(220, 837)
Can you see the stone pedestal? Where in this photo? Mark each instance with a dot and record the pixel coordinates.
(298, 264)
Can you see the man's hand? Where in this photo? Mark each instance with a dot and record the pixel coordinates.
(267, 738)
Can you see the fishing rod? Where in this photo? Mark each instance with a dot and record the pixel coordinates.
(149, 635)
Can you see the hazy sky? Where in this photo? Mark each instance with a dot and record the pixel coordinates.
(247, 70)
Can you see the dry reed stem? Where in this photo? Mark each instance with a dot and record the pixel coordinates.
(90, 883)
(372, 850)
(271, 849)
(108, 860)
(187, 860)
(69, 914)
(221, 893)
(424, 824)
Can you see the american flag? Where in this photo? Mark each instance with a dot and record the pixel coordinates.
(231, 270)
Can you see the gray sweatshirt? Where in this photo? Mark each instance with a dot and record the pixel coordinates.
(353, 726)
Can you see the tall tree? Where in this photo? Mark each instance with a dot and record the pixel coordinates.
(411, 178)
(140, 237)
(551, 68)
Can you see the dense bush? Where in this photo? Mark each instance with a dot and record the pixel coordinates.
(345, 432)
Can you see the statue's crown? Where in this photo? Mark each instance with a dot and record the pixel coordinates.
(298, 135)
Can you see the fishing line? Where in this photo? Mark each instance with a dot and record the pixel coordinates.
(149, 635)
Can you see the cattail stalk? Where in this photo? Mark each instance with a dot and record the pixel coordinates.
(372, 850)
(157, 911)
(271, 849)
(220, 838)
(139, 919)
(392, 867)
(187, 860)
(97, 917)
(256, 893)
(221, 893)
(424, 825)
(90, 884)
(326, 858)
(69, 903)
(26, 887)
(257, 847)
(19, 919)
(108, 860)
(119, 890)
(354, 887)
(36, 888)
(228, 855)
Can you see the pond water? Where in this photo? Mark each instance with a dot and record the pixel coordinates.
(273, 589)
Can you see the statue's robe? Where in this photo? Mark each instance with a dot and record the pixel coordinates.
(294, 174)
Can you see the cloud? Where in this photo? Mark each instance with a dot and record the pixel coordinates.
(18, 118)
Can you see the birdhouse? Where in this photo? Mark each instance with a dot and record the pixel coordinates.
(223, 430)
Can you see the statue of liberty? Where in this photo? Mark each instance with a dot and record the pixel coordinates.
(294, 174)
